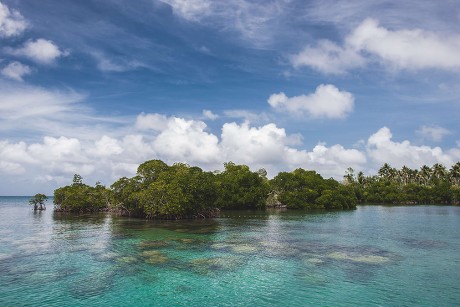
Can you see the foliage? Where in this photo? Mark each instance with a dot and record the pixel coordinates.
(81, 197)
(38, 201)
(181, 191)
(163, 191)
(434, 184)
(239, 188)
(303, 189)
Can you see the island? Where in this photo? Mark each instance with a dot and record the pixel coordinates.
(179, 191)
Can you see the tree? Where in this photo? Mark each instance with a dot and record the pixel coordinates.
(81, 197)
(349, 177)
(302, 189)
(454, 174)
(38, 201)
(239, 188)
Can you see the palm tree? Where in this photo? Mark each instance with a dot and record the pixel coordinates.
(385, 172)
(405, 174)
(454, 174)
(439, 172)
(349, 177)
(425, 175)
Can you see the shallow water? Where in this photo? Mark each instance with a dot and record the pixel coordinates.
(374, 255)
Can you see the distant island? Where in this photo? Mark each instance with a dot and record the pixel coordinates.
(180, 191)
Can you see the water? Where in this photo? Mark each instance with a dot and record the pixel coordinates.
(375, 255)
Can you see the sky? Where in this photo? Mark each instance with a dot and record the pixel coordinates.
(98, 87)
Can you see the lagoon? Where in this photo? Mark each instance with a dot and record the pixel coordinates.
(374, 255)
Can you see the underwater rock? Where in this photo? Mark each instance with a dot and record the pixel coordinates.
(127, 259)
(244, 248)
(369, 259)
(209, 265)
(92, 285)
(187, 240)
(154, 257)
(220, 245)
(106, 256)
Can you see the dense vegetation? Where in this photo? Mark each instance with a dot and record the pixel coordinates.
(182, 191)
(429, 185)
(81, 197)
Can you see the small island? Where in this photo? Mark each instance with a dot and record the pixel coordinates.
(38, 201)
(180, 191)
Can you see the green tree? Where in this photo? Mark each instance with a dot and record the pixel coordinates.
(38, 201)
(301, 189)
(81, 197)
(240, 188)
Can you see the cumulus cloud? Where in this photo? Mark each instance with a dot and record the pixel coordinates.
(326, 102)
(328, 57)
(245, 144)
(433, 133)
(210, 115)
(179, 139)
(185, 140)
(406, 49)
(12, 23)
(41, 51)
(151, 121)
(16, 71)
(53, 160)
(382, 149)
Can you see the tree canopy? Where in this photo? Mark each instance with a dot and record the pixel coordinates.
(177, 191)
(427, 185)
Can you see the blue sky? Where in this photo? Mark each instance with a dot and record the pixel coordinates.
(96, 88)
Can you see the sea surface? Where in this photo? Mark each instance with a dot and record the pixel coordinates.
(372, 256)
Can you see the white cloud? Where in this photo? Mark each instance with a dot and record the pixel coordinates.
(151, 121)
(255, 21)
(245, 144)
(328, 57)
(11, 22)
(433, 133)
(382, 149)
(51, 161)
(106, 147)
(186, 140)
(407, 49)
(246, 115)
(210, 115)
(24, 102)
(34, 111)
(190, 9)
(106, 64)
(326, 102)
(15, 71)
(41, 51)
(395, 49)
(268, 146)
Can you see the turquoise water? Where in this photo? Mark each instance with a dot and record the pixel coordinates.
(375, 255)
